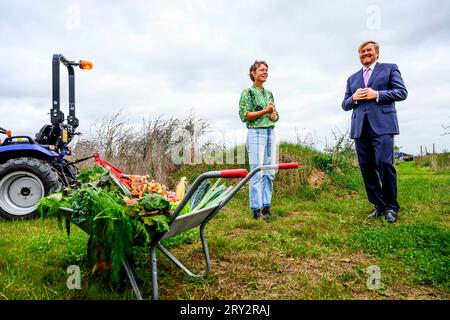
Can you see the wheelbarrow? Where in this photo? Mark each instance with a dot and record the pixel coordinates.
(180, 224)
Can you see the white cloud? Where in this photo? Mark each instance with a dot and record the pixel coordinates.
(169, 58)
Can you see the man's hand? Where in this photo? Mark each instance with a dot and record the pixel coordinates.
(371, 94)
(365, 94)
(360, 94)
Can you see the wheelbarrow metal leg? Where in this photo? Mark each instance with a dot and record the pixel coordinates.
(154, 273)
(130, 275)
(182, 266)
(205, 249)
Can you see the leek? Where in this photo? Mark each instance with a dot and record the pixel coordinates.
(214, 196)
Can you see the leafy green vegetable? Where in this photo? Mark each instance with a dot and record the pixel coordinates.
(159, 222)
(115, 229)
(185, 210)
(91, 174)
(84, 205)
(199, 194)
(214, 196)
(49, 206)
(154, 201)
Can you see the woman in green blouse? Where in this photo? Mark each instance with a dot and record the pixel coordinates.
(257, 110)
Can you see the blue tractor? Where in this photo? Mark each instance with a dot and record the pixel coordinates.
(31, 168)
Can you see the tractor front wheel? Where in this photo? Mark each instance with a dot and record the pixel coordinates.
(23, 182)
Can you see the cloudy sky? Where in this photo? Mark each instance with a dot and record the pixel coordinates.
(170, 58)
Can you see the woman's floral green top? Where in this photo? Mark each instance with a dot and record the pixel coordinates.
(256, 99)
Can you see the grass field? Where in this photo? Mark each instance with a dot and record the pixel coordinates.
(318, 245)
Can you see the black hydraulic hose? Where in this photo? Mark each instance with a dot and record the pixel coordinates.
(77, 161)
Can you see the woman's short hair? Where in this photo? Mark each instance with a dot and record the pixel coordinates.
(255, 66)
(377, 46)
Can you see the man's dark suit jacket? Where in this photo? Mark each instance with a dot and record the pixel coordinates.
(382, 116)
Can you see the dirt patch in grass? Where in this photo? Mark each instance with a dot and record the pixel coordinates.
(256, 275)
(351, 195)
(399, 291)
(317, 178)
(237, 232)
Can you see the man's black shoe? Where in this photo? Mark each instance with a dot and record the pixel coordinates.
(266, 211)
(376, 213)
(257, 214)
(391, 216)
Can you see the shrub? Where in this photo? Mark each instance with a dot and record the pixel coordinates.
(324, 162)
(443, 160)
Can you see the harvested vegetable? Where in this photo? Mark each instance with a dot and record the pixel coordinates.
(213, 196)
(154, 202)
(91, 174)
(142, 184)
(185, 210)
(180, 190)
(116, 221)
(199, 194)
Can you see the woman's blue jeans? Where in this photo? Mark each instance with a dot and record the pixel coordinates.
(261, 148)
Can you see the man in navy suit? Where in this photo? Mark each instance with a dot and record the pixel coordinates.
(371, 95)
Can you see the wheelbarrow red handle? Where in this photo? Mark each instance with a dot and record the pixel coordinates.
(291, 165)
(233, 173)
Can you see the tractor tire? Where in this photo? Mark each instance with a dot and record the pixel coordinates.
(23, 182)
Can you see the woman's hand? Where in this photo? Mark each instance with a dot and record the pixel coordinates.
(272, 115)
(270, 108)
